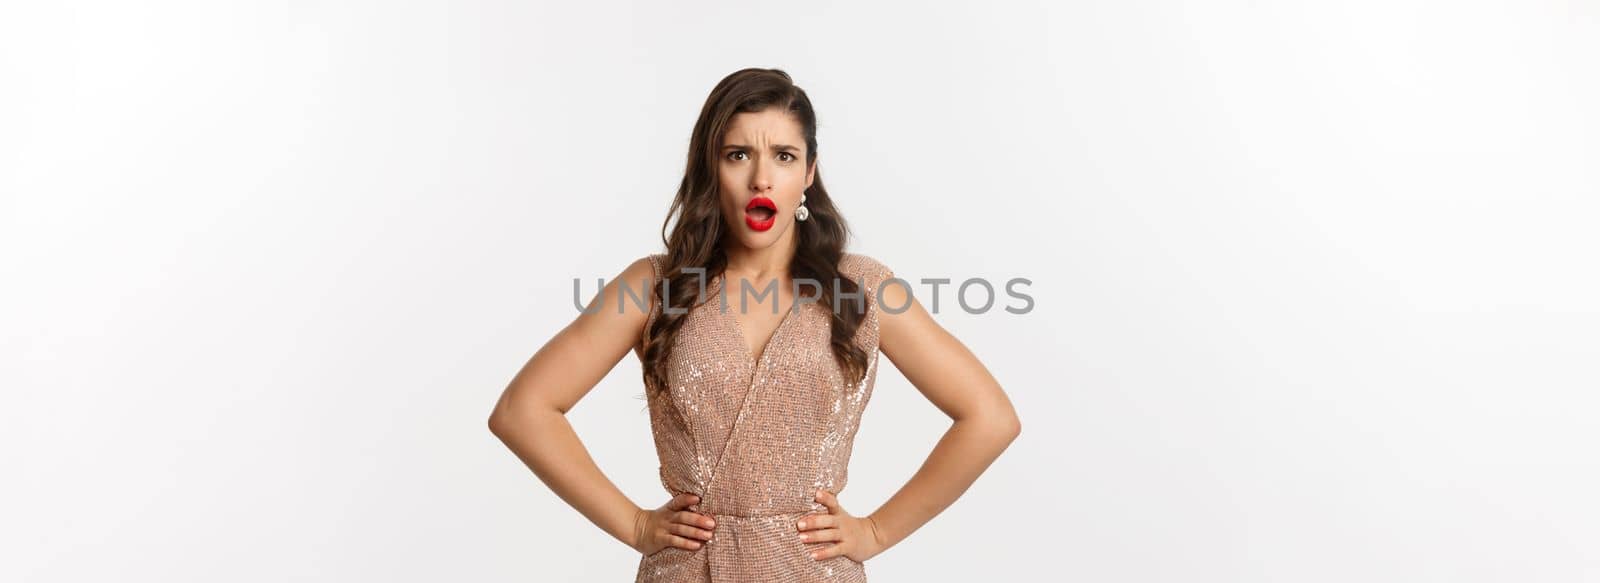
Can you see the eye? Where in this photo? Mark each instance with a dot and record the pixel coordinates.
(735, 152)
(791, 156)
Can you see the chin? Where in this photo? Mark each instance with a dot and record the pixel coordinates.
(751, 239)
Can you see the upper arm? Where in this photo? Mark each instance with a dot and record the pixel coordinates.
(582, 353)
(937, 363)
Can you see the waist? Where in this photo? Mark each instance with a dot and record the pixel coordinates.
(745, 504)
(746, 515)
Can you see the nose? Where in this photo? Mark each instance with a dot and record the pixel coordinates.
(761, 177)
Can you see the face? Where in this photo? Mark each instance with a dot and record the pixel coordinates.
(762, 173)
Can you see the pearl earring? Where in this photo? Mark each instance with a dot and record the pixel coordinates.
(802, 213)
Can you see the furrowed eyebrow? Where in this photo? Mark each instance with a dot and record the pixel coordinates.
(776, 147)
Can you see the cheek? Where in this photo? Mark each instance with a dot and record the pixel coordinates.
(730, 173)
(726, 187)
(732, 211)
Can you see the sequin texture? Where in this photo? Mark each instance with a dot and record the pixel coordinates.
(755, 440)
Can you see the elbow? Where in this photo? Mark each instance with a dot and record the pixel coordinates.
(497, 424)
(501, 422)
(997, 425)
(1010, 427)
(1004, 423)
(507, 419)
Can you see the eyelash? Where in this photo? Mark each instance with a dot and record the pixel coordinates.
(791, 156)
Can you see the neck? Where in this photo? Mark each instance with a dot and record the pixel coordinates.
(762, 264)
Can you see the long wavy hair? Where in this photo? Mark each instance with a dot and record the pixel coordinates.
(694, 229)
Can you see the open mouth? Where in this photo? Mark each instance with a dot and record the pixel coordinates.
(760, 213)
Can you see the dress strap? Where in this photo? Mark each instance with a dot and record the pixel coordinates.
(657, 265)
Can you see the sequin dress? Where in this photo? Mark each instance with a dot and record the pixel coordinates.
(756, 440)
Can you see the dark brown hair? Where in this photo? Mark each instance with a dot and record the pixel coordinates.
(696, 238)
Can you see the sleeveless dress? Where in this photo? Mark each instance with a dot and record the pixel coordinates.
(756, 440)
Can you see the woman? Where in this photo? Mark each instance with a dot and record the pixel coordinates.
(754, 407)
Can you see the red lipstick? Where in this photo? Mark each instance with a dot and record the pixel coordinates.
(760, 213)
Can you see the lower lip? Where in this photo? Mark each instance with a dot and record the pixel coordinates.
(760, 225)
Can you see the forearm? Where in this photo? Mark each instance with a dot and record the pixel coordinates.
(965, 451)
(547, 444)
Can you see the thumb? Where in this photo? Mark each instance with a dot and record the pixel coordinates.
(827, 499)
(682, 501)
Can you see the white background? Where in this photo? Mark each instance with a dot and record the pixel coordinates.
(1315, 283)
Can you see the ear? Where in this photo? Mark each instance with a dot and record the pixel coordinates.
(811, 172)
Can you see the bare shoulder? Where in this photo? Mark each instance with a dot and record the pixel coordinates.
(645, 268)
(640, 277)
(630, 294)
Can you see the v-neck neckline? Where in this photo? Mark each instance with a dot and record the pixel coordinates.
(754, 360)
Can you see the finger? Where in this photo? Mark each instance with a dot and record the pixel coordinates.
(682, 543)
(689, 531)
(828, 552)
(816, 521)
(827, 499)
(682, 501)
(822, 535)
(694, 519)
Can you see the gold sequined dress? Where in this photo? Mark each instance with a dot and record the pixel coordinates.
(756, 440)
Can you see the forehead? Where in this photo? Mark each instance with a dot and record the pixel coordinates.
(759, 128)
